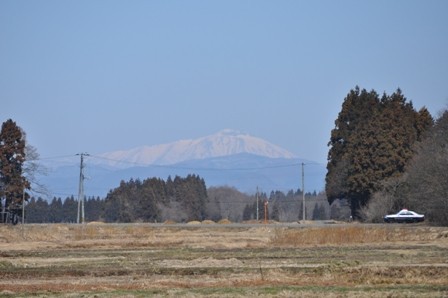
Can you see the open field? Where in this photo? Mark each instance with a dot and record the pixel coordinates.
(217, 260)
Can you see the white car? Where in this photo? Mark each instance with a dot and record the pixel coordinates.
(404, 215)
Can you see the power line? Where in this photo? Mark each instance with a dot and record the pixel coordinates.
(294, 164)
(51, 157)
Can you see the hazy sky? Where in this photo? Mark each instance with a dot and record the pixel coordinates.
(97, 76)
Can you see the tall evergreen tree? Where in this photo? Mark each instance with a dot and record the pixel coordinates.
(94, 208)
(194, 196)
(349, 133)
(55, 210)
(248, 212)
(69, 210)
(147, 209)
(30, 210)
(315, 215)
(373, 140)
(12, 157)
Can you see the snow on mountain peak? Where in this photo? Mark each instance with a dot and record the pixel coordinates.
(223, 143)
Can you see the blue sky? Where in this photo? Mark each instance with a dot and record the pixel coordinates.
(98, 76)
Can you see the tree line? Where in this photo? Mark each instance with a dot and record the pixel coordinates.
(61, 211)
(150, 200)
(124, 204)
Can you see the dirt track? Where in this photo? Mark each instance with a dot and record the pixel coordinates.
(138, 260)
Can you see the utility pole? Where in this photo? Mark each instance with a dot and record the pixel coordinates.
(23, 206)
(265, 212)
(303, 191)
(81, 189)
(257, 203)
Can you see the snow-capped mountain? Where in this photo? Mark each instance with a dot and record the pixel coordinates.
(227, 158)
(224, 143)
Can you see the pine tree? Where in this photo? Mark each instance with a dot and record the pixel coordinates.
(275, 212)
(357, 109)
(69, 210)
(94, 208)
(315, 215)
(30, 210)
(12, 157)
(147, 209)
(55, 210)
(248, 212)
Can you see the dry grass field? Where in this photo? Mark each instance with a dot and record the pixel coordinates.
(223, 260)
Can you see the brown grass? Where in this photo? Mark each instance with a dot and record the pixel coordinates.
(210, 260)
(224, 221)
(352, 234)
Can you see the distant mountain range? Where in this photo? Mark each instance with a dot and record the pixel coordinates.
(227, 158)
